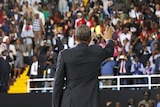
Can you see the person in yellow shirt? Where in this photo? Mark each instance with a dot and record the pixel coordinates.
(96, 29)
(85, 2)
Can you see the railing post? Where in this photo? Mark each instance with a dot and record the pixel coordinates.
(28, 85)
(149, 82)
(118, 83)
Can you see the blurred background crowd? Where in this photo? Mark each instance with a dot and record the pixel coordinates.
(32, 32)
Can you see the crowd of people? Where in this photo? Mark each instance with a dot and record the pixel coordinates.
(145, 101)
(33, 32)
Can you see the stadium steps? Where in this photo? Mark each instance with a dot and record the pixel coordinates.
(20, 84)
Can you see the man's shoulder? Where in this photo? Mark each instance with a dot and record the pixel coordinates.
(64, 51)
(141, 102)
(150, 100)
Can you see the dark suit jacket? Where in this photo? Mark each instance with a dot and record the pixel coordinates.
(29, 70)
(5, 67)
(127, 67)
(81, 67)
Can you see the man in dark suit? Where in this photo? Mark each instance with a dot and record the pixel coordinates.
(80, 66)
(33, 71)
(5, 70)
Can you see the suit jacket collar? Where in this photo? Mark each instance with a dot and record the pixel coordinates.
(82, 45)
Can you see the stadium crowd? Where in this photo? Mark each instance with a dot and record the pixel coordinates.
(32, 32)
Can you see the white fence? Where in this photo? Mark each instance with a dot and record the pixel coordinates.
(116, 86)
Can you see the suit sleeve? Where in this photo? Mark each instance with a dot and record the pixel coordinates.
(109, 49)
(58, 82)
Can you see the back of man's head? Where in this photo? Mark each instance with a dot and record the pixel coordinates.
(83, 33)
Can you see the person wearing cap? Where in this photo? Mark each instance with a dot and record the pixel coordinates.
(80, 20)
(107, 69)
(80, 66)
(146, 100)
(124, 66)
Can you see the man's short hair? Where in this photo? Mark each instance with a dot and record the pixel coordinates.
(83, 33)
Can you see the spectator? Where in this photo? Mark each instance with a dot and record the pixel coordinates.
(71, 39)
(157, 11)
(63, 6)
(134, 12)
(11, 51)
(115, 19)
(28, 9)
(38, 28)
(41, 15)
(90, 21)
(134, 28)
(118, 104)
(157, 66)
(145, 53)
(49, 25)
(150, 16)
(124, 66)
(80, 20)
(1, 14)
(146, 99)
(131, 102)
(148, 70)
(46, 13)
(68, 30)
(158, 100)
(27, 35)
(125, 34)
(107, 69)
(19, 63)
(33, 71)
(57, 43)
(101, 42)
(3, 36)
(4, 71)
(50, 71)
(16, 14)
(137, 69)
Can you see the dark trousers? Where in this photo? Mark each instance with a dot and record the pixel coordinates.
(4, 79)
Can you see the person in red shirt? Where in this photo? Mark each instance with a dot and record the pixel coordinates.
(90, 21)
(146, 31)
(80, 20)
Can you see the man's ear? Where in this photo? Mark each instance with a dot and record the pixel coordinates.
(90, 39)
(75, 39)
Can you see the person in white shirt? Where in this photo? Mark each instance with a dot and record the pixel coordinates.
(71, 41)
(30, 2)
(63, 6)
(3, 36)
(125, 35)
(106, 3)
(34, 70)
(115, 19)
(27, 36)
(157, 11)
(134, 13)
